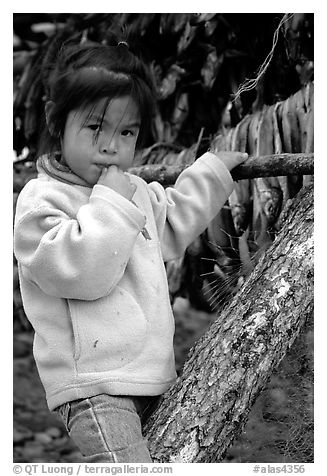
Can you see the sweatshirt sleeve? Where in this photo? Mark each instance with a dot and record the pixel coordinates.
(81, 257)
(184, 211)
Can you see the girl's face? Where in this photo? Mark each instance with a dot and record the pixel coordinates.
(90, 143)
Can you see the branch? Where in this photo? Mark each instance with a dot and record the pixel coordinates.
(265, 166)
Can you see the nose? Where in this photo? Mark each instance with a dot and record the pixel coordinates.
(109, 145)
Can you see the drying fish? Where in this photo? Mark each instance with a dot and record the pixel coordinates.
(170, 81)
(179, 115)
(210, 69)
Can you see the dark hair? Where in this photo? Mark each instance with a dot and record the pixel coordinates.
(85, 73)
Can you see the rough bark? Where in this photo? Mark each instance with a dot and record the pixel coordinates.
(205, 410)
(264, 166)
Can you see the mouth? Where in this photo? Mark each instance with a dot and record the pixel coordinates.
(102, 166)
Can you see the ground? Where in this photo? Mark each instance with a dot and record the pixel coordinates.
(279, 428)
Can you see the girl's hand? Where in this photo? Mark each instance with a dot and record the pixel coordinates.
(231, 159)
(118, 181)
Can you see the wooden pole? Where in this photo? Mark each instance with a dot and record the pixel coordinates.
(264, 166)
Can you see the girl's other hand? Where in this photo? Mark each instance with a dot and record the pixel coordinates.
(118, 181)
(231, 159)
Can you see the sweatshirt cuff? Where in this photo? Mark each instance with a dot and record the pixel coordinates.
(219, 169)
(119, 203)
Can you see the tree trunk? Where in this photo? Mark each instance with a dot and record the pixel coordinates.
(199, 417)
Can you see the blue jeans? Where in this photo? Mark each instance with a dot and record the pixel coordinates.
(107, 429)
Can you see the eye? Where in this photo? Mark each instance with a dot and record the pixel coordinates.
(127, 133)
(94, 127)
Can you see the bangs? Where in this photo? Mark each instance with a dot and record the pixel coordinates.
(84, 88)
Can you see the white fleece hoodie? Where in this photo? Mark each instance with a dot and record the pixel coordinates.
(94, 288)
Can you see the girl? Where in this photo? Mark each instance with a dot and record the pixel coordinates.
(91, 241)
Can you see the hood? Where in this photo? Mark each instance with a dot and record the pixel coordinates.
(50, 165)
